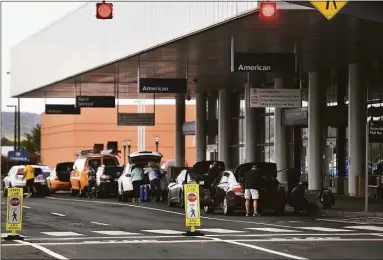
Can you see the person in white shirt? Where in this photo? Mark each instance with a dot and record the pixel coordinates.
(154, 175)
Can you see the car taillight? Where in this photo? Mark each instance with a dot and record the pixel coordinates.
(104, 177)
(238, 191)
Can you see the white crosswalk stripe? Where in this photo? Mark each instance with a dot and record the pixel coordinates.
(115, 233)
(276, 230)
(372, 228)
(217, 231)
(220, 230)
(324, 229)
(164, 231)
(62, 234)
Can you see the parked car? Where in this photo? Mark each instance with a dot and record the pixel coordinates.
(226, 193)
(59, 178)
(272, 194)
(85, 160)
(136, 159)
(187, 176)
(107, 180)
(14, 179)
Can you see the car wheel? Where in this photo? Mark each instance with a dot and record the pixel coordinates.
(226, 209)
(119, 197)
(182, 201)
(170, 202)
(208, 209)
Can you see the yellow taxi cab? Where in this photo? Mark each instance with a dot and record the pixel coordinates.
(85, 160)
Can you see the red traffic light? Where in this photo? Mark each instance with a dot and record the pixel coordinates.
(268, 10)
(104, 11)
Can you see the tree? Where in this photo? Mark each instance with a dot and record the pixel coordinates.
(6, 142)
(32, 140)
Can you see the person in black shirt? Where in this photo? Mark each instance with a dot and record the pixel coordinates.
(251, 192)
(92, 178)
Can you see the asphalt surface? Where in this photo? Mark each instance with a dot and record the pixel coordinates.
(62, 227)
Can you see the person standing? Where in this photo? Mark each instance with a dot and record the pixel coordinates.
(92, 176)
(154, 174)
(29, 176)
(251, 192)
(137, 181)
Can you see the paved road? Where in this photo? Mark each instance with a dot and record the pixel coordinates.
(62, 227)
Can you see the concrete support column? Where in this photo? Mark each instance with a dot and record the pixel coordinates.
(252, 132)
(200, 127)
(316, 105)
(224, 125)
(211, 114)
(356, 126)
(341, 132)
(235, 108)
(280, 138)
(180, 138)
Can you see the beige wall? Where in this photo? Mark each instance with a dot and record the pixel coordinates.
(63, 135)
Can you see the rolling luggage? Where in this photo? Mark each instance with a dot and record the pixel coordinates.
(144, 192)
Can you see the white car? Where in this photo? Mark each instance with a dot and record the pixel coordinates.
(140, 159)
(14, 179)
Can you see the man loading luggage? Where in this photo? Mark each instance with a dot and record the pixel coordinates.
(251, 192)
(92, 178)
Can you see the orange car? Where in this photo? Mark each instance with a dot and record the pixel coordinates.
(59, 178)
(79, 174)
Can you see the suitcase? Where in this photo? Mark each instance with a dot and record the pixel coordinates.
(144, 192)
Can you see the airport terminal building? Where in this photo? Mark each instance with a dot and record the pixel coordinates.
(314, 82)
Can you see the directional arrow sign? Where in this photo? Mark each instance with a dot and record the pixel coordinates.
(329, 8)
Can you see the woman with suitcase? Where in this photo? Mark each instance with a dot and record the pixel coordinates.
(154, 174)
(137, 181)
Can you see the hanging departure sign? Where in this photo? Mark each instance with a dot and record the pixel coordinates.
(329, 8)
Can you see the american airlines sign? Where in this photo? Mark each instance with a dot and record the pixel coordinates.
(161, 85)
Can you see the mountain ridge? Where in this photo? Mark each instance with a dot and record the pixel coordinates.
(27, 122)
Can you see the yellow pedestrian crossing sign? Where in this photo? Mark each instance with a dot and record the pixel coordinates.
(329, 8)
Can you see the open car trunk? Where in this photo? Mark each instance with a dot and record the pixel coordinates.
(63, 171)
(266, 170)
(202, 167)
(113, 171)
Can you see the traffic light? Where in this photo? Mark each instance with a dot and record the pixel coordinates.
(104, 10)
(268, 10)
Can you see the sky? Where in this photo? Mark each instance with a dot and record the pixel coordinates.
(20, 20)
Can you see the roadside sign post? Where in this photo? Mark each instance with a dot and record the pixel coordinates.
(367, 164)
(192, 209)
(14, 213)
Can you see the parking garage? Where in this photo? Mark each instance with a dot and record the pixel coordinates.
(335, 68)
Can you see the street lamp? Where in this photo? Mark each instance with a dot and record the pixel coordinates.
(126, 143)
(157, 139)
(15, 127)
